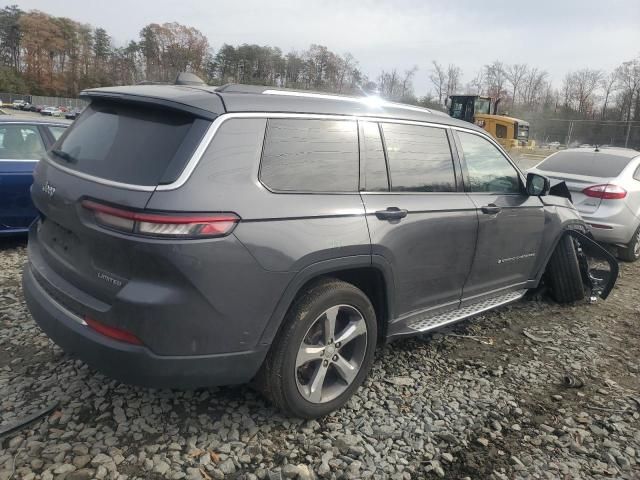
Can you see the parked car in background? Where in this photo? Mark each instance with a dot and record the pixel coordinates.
(25, 107)
(17, 104)
(605, 188)
(22, 143)
(51, 112)
(193, 236)
(37, 108)
(73, 113)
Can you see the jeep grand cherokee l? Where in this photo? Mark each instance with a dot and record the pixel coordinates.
(191, 236)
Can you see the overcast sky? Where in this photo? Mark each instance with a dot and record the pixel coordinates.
(555, 35)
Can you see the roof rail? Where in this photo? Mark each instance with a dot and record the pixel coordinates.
(373, 101)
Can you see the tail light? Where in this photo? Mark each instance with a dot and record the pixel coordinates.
(605, 192)
(112, 332)
(169, 225)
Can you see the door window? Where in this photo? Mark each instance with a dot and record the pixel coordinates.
(489, 170)
(20, 142)
(419, 158)
(373, 164)
(310, 156)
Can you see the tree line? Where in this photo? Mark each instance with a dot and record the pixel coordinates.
(46, 55)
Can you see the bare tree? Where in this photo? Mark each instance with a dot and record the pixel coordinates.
(608, 85)
(629, 83)
(454, 73)
(439, 79)
(515, 74)
(407, 82)
(495, 79)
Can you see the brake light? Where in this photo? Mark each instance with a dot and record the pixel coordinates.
(162, 224)
(113, 332)
(605, 192)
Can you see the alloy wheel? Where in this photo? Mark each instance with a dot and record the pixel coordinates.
(331, 354)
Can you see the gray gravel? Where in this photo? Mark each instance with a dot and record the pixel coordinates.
(484, 399)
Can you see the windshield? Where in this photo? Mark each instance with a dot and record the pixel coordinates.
(129, 143)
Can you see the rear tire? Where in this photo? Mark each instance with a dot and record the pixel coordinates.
(287, 377)
(563, 273)
(631, 252)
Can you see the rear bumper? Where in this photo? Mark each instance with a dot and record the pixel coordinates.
(130, 363)
(608, 231)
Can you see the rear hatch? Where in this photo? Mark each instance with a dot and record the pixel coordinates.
(116, 153)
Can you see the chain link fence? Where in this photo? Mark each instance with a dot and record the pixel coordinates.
(572, 133)
(8, 98)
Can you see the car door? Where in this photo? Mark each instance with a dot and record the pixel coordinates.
(510, 222)
(21, 146)
(420, 220)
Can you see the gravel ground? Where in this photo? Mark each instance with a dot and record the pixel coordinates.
(484, 399)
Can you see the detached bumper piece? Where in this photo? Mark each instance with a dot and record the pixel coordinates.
(594, 260)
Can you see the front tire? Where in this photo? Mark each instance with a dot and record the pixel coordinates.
(631, 252)
(323, 352)
(564, 274)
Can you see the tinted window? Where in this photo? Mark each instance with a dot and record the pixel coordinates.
(589, 163)
(20, 142)
(636, 175)
(489, 170)
(56, 132)
(310, 156)
(129, 143)
(419, 158)
(373, 164)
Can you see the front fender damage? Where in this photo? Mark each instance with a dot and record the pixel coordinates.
(591, 258)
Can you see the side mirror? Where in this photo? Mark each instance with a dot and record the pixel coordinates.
(537, 185)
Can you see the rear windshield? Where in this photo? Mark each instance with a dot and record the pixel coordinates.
(129, 143)
(590, 164)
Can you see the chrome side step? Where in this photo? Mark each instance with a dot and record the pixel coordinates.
(435, 321)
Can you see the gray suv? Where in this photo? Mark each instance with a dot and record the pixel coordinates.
(192, 236)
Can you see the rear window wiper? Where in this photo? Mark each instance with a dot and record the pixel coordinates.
(64, 155)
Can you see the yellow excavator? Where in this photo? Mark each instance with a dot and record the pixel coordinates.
(508, 131)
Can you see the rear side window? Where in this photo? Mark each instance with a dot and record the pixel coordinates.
(56, 131)
(373, 164)
(589, 163)
(310, 156)
(129, 143)
(419, 158)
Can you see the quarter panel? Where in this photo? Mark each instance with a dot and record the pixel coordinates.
(283, 231)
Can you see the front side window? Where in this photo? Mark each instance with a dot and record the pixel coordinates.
(419, 158)
(20, 142)
(489, 171)
(303, 155)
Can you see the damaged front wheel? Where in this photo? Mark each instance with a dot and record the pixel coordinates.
(563, 272)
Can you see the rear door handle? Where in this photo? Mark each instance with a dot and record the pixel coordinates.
(491, 209)
(391, 213)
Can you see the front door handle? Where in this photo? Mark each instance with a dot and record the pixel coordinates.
(391, 213)
(491, 209)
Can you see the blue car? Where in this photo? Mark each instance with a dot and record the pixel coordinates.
(23, 141)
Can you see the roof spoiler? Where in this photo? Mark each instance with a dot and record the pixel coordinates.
(188, 78)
